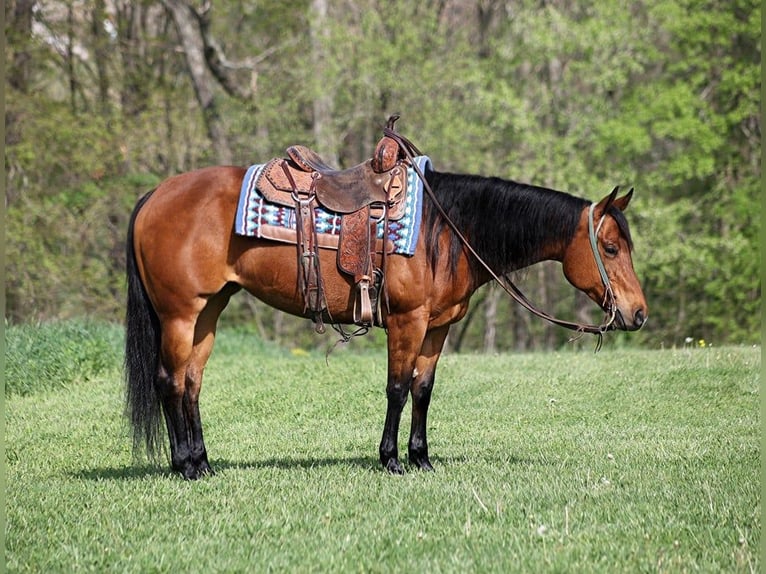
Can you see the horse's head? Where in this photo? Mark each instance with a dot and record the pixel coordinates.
(602, 246)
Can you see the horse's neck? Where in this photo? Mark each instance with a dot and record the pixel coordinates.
(512, 225)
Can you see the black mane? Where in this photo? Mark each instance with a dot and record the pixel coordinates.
(506, 222)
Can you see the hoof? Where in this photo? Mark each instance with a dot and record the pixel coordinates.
(190, 473)
(421, 462)
(204, 469)
(393, 466)
(194, 472)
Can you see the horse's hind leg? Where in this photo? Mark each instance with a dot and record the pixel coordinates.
(176, 350)
(186, 347)
(422, 385)
(204, 336)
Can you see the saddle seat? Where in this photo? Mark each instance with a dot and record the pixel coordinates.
(348, 190)
(305, 173)
(375, 190)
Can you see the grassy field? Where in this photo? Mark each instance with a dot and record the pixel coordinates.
(623, 461)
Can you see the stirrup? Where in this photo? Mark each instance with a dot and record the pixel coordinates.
(363, 315)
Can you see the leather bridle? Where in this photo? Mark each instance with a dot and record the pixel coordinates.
(410, 151)
(608, 303)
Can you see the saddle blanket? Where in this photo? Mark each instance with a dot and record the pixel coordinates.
(256, 217)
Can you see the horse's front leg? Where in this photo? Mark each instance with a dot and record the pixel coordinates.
(405, 339)
(421, 387)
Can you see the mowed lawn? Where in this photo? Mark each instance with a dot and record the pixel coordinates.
(621, 461)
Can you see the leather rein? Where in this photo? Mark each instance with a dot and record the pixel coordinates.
(409, 150)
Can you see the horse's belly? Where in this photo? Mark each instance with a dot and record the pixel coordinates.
(269, 271)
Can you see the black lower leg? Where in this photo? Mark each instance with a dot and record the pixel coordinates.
(418, 444)
(180, 452)
(198, 452)
(389, 450)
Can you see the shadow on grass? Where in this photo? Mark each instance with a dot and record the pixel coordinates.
(305, 463)
(135, 472)
(145, 470)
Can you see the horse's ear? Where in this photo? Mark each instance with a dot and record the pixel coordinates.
(604, 205)
(622, 202)
(612, 200)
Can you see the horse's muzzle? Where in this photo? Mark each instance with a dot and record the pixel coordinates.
(638, 319)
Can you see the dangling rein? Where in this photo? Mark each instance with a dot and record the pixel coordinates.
(409, 150)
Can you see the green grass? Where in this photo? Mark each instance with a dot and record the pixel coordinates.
(624, 461)
(56, 355)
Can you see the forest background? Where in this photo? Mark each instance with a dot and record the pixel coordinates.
(105, 98)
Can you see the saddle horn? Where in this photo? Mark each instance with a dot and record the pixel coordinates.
(387, 151)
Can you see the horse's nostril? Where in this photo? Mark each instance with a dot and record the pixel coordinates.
(639, 318)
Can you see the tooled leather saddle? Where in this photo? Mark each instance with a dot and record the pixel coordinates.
(364, 195)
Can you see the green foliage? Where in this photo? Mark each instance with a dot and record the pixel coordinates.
(65, 251)
(663, 95)
(653, 464)
(68, 204)
(51, 356)
(719, 305)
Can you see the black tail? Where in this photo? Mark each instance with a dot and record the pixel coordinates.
(142, 353)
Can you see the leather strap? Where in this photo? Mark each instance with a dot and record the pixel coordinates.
(309, 272)
(609, 299)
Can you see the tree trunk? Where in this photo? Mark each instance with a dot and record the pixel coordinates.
(549, 280)
(20, 30)
(18, 35)
(191, 36)
(485, 14)
(70, 57)
(101, 55)
(324, 134)
(135, 86)
(490, 318)
(520, 325)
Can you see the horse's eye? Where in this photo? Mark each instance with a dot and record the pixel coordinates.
(610, 249)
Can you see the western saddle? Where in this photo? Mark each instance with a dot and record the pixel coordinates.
(364, 195)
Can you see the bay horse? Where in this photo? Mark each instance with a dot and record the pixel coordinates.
(184, 262)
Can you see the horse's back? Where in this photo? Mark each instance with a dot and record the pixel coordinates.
(183, 196)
